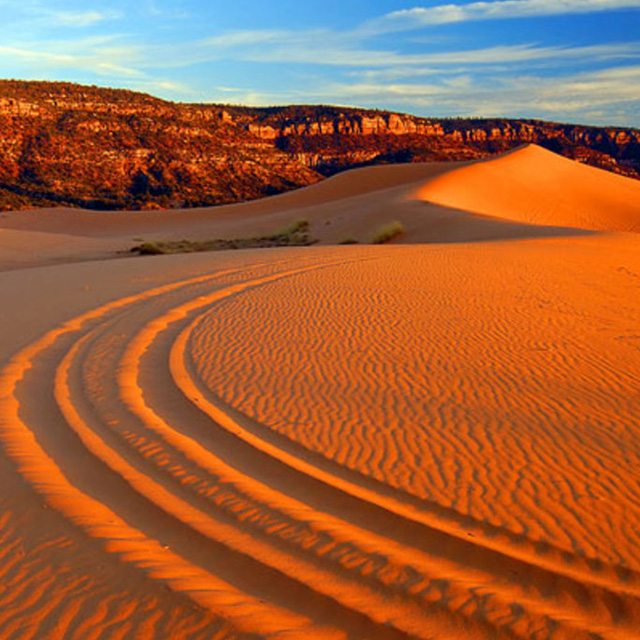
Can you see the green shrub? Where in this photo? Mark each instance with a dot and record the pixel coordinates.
(149, 249)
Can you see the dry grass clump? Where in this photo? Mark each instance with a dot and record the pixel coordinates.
(294, 235)
(297, 233)
(388, 232)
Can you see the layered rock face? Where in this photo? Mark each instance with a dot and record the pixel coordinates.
(99, 148)
(102, 148)
(329, 139)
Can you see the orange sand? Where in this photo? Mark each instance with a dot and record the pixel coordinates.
(428, 441)
(535, 186)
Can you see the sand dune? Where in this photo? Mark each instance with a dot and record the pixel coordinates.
(427, 441)
(524, 194)
(318, 202)
(536, 186)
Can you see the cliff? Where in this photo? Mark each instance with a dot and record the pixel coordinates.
(331, 138)
(100, 148)
(62, 143)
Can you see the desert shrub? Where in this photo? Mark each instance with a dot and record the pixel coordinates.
(388, 232)
(149, 249)
(297, 227)
(295, 235)
(180, 246)
(348, 241)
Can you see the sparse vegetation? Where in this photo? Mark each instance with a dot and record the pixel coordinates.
(297, 229)
(349, 241)
(388, 232)
(294, 235)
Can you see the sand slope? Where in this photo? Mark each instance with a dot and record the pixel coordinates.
(340, 200)
(24, 248)
(374, 442)
(536, 186)
(526, 193)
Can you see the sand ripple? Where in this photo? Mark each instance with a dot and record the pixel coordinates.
(307, 448)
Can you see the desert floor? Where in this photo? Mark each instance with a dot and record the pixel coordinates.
(435, 438)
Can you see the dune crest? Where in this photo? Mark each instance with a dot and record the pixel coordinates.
(535, 186)
(527, 193)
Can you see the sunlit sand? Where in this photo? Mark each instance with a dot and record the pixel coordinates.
(436, 439)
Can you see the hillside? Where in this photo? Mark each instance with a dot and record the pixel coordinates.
(68, 144)
(102, 148)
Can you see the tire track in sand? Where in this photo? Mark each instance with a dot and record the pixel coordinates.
(166, 467)
(38, 466)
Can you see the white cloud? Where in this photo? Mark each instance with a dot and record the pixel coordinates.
(82, 19)
(343, 50)
(417, 17)
(397, 73)
(173, 11)
(605, 97)
(100, 55)
(158, 85)
(253, 37)
(115, 70)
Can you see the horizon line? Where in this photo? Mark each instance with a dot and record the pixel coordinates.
(315, 105)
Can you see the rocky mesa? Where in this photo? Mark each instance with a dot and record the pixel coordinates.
(62, 143)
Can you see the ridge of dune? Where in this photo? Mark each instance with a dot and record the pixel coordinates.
(535, 186)
(528, 192)
(353, 204)
(314, 201)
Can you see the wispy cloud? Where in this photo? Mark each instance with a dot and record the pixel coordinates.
(83, 18)
(324, 47)
(417, 17)
(608, 97)
(102, 55)
(590, 95)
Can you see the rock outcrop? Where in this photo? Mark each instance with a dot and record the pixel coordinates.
(101, 148)
(329, 139)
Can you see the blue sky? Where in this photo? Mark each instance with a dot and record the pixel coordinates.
(566, 60)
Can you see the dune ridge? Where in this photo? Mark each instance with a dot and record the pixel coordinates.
(535, 186)
(526, 193)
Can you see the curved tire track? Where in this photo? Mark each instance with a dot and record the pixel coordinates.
(336, 574)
